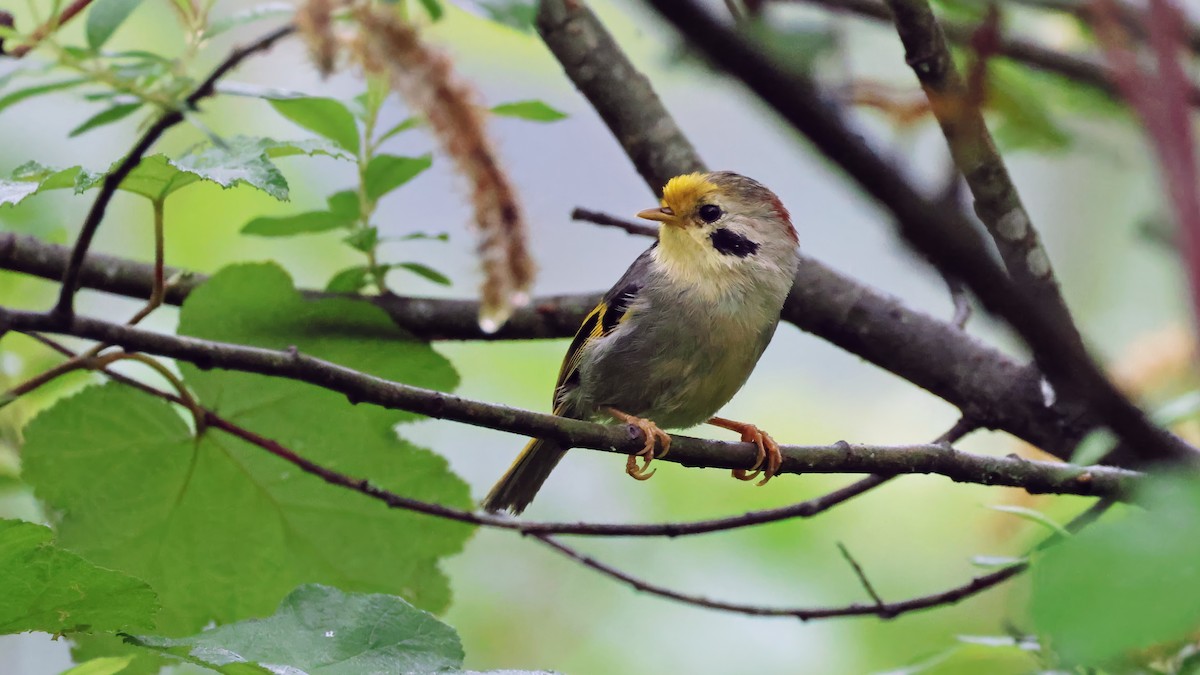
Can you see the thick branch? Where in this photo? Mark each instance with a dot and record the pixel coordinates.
(364, 388)
(982, 382)
(942, 234)
(996, 199)
(601, 71)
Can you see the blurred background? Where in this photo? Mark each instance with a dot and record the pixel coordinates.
(518, 606)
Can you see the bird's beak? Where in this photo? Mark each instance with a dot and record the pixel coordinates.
(662, 215)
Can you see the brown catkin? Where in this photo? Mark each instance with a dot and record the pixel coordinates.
(314, 19)
(425, 78)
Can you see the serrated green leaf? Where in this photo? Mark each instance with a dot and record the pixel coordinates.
(533, 111)
(104, 665)
(321, 630)
(323, 116)
(409, 123)
(363, 239)
(37, 90)
(105, 17)
(388, 172)
(1033, 516)
(31, 178)
(268, 10)
(426, 272)
(1124, 584)
(301, 223)
(107, 116)
(344, 204)
(349, 280)
(52, 590)
(233, 165)
(433, 8)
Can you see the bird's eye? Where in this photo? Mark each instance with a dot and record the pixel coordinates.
(709, 213)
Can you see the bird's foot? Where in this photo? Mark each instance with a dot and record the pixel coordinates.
(768, 450)
(654, 437)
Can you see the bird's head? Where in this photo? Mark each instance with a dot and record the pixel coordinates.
(722, 227)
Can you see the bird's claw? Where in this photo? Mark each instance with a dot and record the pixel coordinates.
(654, 437)
(768, 452)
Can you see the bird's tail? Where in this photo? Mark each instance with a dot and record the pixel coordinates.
(525, 477)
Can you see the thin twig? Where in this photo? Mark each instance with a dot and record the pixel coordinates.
(945, 236)
(862, 576)
(65, 307)
(41, 32)
(1085, 71)
(887, 610)
(606, 220)
(364, 388)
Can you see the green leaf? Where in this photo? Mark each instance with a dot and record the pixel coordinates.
(323, 116)
(388, 172)
(104, 17)
(349, 280)
(1025, 118)
(268, 10)
(363, 239)
(1033, 516)
(322, 630)
(301, 223)
(105, 665)
(534, 111)
(31, 178)
(344, 204)
(1124, 584)
(235, 165)
(138, 492)
(433, 8)
(425, 271)
(107, 116)
(37, 90)
(409, 123)
(52, 590)
(519, 14)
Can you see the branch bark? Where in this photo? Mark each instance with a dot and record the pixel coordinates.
(997, 202)
(981, 381)
(942, 234)
(1090, 72)
(1038, 477)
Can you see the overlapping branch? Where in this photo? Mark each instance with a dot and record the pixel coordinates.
(364, 388)
(942, 234)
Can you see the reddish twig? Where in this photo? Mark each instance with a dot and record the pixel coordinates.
(44, 30)
(1160, 99)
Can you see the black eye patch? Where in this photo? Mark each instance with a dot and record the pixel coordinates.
(728, 242)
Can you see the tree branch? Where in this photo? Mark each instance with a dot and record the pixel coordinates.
(70, 280)
(888, 610)
(1034, 476)
(41, 32)
(981, 381)
(997, 202)
(1082, 70)
(944, 235)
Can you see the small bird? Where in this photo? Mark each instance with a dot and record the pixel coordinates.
(680, 332)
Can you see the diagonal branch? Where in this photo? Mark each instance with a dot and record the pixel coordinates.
(942, 234)
(364, 388)
(65, 307)
(997, 202)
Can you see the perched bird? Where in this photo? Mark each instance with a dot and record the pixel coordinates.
(679, 333)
